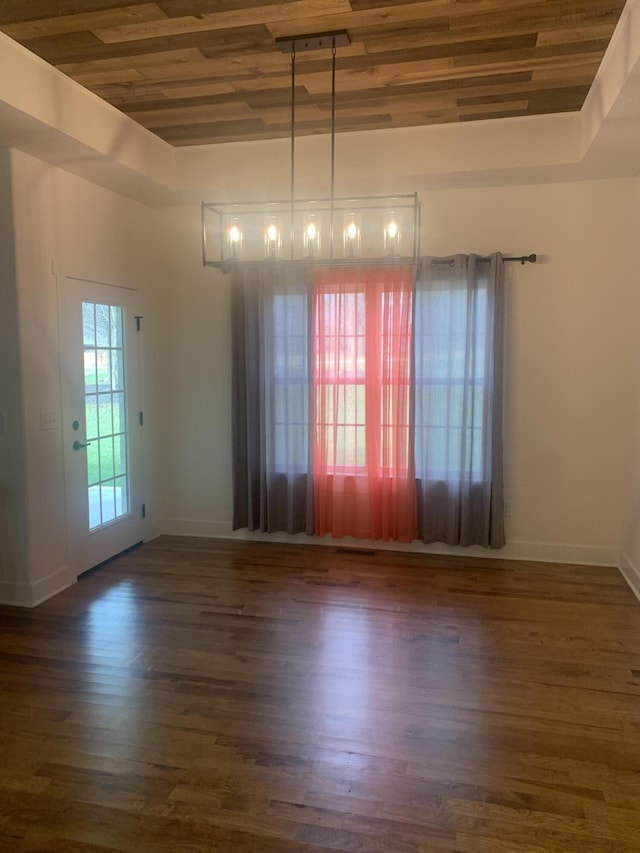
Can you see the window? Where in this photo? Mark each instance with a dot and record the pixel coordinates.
(290, 381)
(450, 373)
(340, 377)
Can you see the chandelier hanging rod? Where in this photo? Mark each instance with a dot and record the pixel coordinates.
(316, 41)
(292, 177)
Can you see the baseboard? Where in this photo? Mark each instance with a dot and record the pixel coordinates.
(630, 573)
(541, 552)
(16, 594)
(52, 584)
(188, 527)
(559, 552)
(30, 595)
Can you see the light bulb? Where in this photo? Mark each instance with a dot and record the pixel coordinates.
(311, 236)
(234, 234)
(272, 237)
(392, 232)
(351, 234)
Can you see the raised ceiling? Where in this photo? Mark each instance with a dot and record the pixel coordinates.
(207, 71)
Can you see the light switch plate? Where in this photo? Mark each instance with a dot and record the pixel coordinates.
(48, 420)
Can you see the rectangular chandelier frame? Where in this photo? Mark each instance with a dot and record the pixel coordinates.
(321, 231)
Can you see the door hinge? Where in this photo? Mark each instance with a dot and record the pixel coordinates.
(141, 418)
(144, 510)
(137, 318)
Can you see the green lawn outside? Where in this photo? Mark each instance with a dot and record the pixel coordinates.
(106, 452)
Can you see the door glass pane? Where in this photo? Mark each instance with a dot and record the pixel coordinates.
(118, 412)
(93, 463)
(107, 502)
(105, 413)
(102, 325)
(121, 495)
(120, 454)
(106, 459)
(116, 327)
(90, 378)
(103, 369)
(117, 370)
(91, 415)
(95, 514)
(88, 324)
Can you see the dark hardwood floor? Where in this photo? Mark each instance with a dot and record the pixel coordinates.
(199, 695)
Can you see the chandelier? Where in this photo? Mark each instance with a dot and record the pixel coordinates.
(322, 231)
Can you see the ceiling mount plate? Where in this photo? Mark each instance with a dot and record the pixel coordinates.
(315, 41)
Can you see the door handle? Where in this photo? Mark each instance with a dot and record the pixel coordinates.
(78, 445)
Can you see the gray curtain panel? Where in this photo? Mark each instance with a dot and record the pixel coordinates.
(458, 346)
(272, 484)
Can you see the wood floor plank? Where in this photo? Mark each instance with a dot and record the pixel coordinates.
(198, 695)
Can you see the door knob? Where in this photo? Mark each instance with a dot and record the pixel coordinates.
(78, 445)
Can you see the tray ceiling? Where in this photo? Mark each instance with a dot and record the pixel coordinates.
(207, 71)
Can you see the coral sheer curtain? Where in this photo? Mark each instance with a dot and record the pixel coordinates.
(361, 396)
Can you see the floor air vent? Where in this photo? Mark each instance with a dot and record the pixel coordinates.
(360, 552)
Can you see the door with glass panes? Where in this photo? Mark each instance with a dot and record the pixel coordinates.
(101, 420)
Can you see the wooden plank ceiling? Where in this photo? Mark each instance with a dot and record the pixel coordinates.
(205, 71)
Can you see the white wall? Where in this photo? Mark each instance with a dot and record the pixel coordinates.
(569, 364)
(65, 226)
(14, 578)
(36, 221)
(195, 439)
(630, 558)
